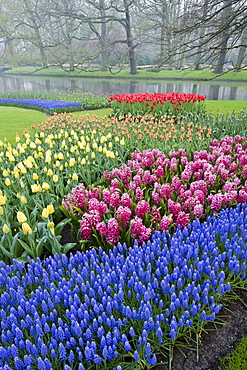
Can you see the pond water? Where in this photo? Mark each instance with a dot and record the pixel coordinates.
(213, 90)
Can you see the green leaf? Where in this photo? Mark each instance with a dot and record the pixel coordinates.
(59, 227)
(68, 246)
(39, 246)
(6, 252)
(27, 248)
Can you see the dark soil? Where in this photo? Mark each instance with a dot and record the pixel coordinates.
(219, 341)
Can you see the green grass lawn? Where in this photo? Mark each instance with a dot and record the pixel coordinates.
(14, 120)
(224, 106)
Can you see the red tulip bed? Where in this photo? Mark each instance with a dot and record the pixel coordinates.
(157, 104)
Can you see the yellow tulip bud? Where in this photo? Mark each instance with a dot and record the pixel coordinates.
(7, 182)
(5, 173)
(83, 161)
(74, 177)
(23, 199)
(50, 209)
(45, 213)
(49, 172)
(93, 155)
(22, 184)
(35, 176)
(87, 148)
(26, 228)
(122, 141)
(32, 145)
(2, 200)
(110, 145)
(6, 229)
(55, 178)
(21, 217)
(51, 226)
(1, 210)
(45, 186)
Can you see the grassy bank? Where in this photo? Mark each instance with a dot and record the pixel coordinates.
(117, 73)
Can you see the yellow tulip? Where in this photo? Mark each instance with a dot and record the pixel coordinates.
(1, 211)
(11, 158)
(35, 188)
(74, 177)
(35, 176)
(72, 162)
(45, 213)
(42, 134)
(45, 186)
(122, 141)
(50, 172)
(28, 163)
(110, 145)
(50, 209)
(23, 199)
(7, 182)
(60, 156)
(103, 139)
(2, 200)
(116, 138)
(93, 155)
(22, 184)
(6, 229)
(26, 228)
(55, 178)
(87, 148)
(32, 145)
(21, 217)
(51, 226)
(83, 161)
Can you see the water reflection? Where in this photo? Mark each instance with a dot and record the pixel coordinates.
(212, 91)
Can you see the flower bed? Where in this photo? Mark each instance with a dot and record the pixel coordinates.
(156, 104)
(158, 192)
(122, 307)
(42, 104)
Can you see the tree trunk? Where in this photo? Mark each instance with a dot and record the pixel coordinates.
(225, 37)
(131, 52)
(242, 50)
(39, 42)
(201, 36)
(162, 35)
(103, 46)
